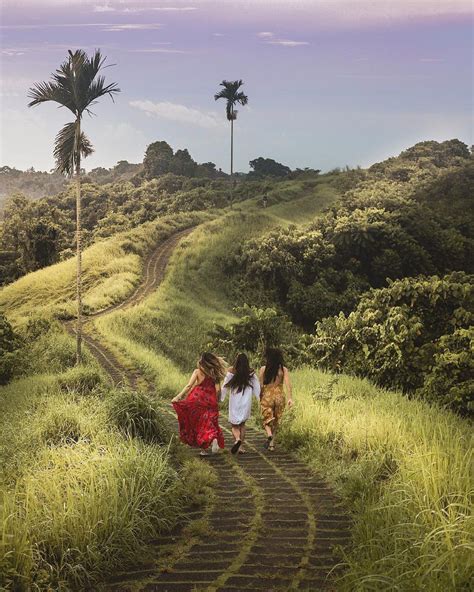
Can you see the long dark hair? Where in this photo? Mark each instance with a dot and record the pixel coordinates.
(212, 366)
(273, 364)
(242, 374)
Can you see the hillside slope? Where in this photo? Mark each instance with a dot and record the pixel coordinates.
(372, 443)
(401, 465)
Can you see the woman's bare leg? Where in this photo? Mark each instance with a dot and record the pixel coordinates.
(243, 429)
(236, 432)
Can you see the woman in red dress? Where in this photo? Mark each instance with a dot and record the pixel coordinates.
(198, 413)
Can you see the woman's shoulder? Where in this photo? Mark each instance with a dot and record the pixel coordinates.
(200, 375)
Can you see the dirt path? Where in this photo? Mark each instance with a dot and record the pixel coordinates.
(273, 525)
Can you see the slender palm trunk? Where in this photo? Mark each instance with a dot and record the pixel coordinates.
(232, 158)
(78, 246)
(231, 148)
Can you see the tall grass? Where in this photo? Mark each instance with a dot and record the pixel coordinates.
(86, 475)
(405, 467)
(111, 270)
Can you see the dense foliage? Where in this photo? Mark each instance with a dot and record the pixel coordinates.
(9, 343)
(267, 167)
(38, 233)
(160, 160)
(256, 329)
(409, 335)
(33, 184)
(382, 229)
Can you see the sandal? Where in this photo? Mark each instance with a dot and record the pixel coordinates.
(242, 451)
(271, 446)
(204, 453)
(236, 446)
(268, 442)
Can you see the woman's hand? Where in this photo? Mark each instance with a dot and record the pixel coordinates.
(176, 399)
(290, 403)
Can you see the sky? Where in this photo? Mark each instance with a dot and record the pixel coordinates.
(330, 82)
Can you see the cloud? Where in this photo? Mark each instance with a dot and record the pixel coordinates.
(101, 8)
(12, 52)
(271, 39)
(104, 8)
(103, 26)
(180, 113)
(157, 50)
(118, 28)
(175, 8)
(287, 42)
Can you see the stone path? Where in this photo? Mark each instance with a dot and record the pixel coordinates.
(273, 526)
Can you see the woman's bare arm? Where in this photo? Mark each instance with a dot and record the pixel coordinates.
(261, 375)
(288, 388)
(191, 382)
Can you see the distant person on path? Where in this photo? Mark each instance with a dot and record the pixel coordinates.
(241, 384)
(198, 413)
(274, 380)
(265, 200)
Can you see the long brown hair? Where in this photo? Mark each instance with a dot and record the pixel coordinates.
(273, 364)
(212, 366)
(242, 374)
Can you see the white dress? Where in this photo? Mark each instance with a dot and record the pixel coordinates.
(240, 403)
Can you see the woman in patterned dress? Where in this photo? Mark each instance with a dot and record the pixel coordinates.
(274, 380)
(198, 412)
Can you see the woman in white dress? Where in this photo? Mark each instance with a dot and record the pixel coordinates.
(241, 384)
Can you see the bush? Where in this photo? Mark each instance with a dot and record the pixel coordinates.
(136, 416)
(395, 335)
(61, 429)
(9, 343)
(257, 329)
(81, 379)
(451, 380)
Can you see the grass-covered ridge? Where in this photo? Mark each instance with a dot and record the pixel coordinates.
(402, 465)
(111, 270)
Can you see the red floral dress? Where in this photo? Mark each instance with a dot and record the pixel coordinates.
(198, 416)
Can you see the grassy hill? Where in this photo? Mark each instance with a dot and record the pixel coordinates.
(402, 465)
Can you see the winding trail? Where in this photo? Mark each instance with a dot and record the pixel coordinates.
(272, 527)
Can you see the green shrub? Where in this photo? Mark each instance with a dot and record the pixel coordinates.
(135, 415)
(9, 343)
(80, 379)
(395, 336)
(257, 329)
(451, 380)
(61, 429)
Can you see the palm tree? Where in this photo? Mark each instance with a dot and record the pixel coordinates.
(76, 85)
(230, 92)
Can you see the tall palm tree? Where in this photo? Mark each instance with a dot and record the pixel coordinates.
(76, 85)
(230, 92)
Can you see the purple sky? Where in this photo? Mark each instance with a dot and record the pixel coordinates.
(330, 82)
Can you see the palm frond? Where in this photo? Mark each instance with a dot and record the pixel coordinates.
(67, 150)
(75, 84)
(230, 92)
(41, 92)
